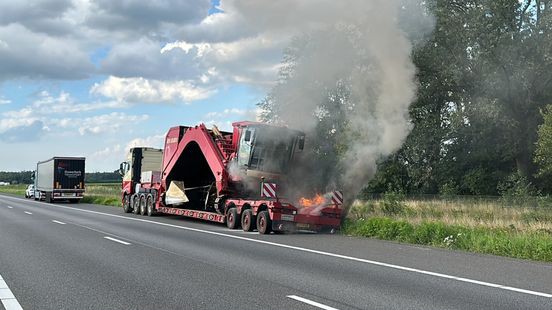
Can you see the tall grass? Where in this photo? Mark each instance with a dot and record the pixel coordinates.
(479, 226)
(483, 214)
(504, 242)
(108, 194)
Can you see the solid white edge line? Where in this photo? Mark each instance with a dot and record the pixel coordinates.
(58, 222)
(7, 297)
(397, 267)
(27, 212)
(310, 302)
(117, 240)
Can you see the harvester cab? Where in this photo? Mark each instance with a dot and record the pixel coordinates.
(264, 152)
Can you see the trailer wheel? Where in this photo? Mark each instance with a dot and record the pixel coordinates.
(247, 220)
(126, 204)
(232, 218)
(149, 205)
(143, 209)
(264, 224)
(135, 202)
(48, 197)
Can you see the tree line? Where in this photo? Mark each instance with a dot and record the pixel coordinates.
(25, 177)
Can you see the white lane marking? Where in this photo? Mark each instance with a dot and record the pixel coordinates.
(7, 298)
(356, 259)
(312, 303)
(27, 212)
(117, 240)
(58, 222)
(10, 207)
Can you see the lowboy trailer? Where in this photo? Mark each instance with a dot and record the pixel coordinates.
(226, 177)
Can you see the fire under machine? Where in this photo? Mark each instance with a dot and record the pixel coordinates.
(237, 178)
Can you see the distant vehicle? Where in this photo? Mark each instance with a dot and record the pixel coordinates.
(60, 178)
(4, 183)
(30, 191)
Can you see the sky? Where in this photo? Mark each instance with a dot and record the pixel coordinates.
(94, 77)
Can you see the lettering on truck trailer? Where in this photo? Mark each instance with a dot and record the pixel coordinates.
(193, 213)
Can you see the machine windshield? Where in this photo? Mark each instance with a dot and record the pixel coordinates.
(267, 148)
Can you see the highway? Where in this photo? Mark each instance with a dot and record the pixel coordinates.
(82, 256)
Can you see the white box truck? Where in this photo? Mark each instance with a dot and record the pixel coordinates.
(60, 178)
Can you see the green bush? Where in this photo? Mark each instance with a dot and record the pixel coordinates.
(392, 203)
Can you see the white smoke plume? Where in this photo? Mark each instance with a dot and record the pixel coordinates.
(348, 66)
(358, 54)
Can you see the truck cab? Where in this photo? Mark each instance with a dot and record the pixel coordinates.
(139, 160)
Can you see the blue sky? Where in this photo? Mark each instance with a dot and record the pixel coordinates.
(91, 79)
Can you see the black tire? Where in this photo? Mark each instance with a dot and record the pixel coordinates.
(48, 197)
(248, 220)
(26, 196)
(150, 206)
(143, 208)
(232, 218)
(135, 201)
(126, 204)
(264, 223)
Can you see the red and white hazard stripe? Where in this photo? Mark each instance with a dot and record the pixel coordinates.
(337, 197)
(268, 190)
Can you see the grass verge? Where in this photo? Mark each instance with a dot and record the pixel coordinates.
(503, 242)
(107, 194)
(18, 189)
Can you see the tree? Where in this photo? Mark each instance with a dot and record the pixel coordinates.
(543, 152)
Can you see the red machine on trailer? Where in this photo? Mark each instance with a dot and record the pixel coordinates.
(224, 177)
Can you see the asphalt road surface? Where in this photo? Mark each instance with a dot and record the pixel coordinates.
(67, 256)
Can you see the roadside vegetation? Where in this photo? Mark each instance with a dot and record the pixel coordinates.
(512, 225)
(16, 189)
(97, 193)
(108, 194)
(491, 226)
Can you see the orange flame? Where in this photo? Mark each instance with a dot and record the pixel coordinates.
(315, 201)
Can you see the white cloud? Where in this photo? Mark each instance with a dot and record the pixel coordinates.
(155, 141)
(150, 91)
(224, 119)
(106, 123)
(10, 123)
(4, 100)
(110, 151)
(47, 104)
(251, 114)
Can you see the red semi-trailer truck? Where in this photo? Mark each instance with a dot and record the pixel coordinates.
(226, 177)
